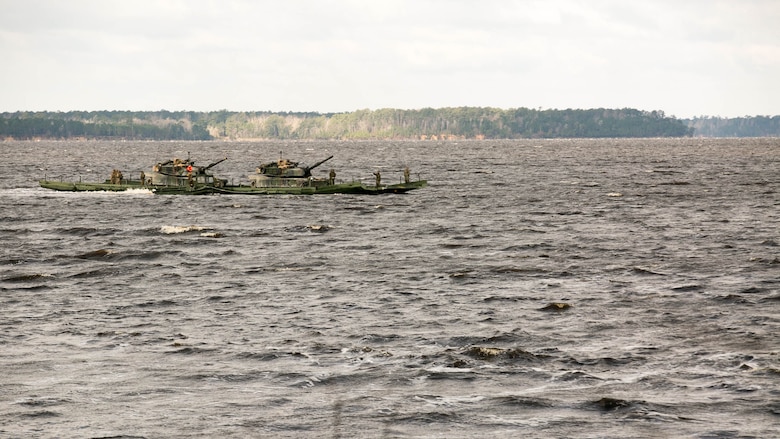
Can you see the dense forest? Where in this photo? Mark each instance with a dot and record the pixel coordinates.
(426, 123)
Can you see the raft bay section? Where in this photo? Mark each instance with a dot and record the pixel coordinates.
(183, 177)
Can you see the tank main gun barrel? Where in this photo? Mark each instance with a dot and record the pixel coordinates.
(214, 164)
(319, 163)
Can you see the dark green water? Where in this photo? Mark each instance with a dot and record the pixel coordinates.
(430, 314)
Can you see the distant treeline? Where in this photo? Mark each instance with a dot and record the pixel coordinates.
(151, 125)
(749, 126)
(426, 123)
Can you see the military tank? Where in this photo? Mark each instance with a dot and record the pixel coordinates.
(183, 172)
(286, 173)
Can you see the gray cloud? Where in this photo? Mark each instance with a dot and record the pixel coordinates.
(686, 58)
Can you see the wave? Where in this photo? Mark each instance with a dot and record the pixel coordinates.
(27, 277)
(175, 230)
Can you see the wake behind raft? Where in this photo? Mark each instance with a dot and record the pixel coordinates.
(184, 177)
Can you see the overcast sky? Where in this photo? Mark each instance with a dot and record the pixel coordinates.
(685, 57)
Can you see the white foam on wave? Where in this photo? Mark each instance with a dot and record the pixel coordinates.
(173, 230)
(84, 194)
(139, 191)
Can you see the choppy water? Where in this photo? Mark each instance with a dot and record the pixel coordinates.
(566, 288)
